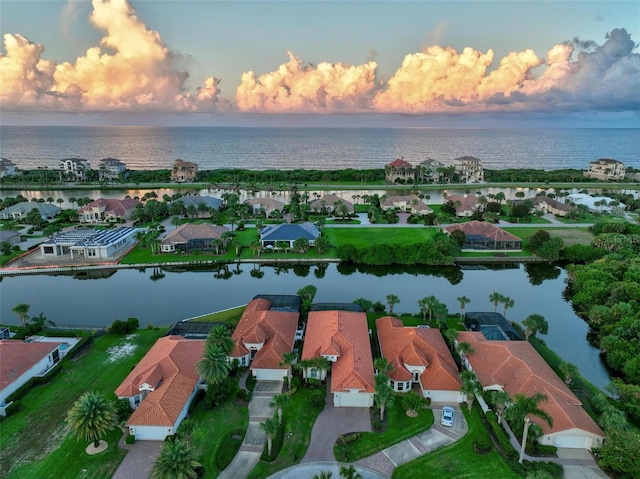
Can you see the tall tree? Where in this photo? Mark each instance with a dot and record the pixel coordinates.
(288, 360)
(496, 299)
(570, 372)
(176, 461)
(463, 300)
(213, 366)
(22, 310)
(508, 303)
(392, 300)
(501, 401)
(220, 336)
(470, 386)
(91, 417)
(279, 401)
(535, 323)
(521, 411)
(270, 427)
(384, 394)
(364, 303)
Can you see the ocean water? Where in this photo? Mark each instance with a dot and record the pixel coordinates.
(318, 148)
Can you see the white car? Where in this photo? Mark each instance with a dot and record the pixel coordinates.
(448, 414)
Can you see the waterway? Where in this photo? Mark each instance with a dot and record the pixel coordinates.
(162, 297)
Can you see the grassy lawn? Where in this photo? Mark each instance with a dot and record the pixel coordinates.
(459, 460)
(532, 220)
(35, 440)
(299, 418)
(231, 316)
(570, 236)
(482, 254)
(361, 237)
(211, 427)
(399, 427)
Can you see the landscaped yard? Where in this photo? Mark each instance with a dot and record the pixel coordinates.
(362, 237)
(459, 460)
(35, 441)
(570, 236)
(299, 418)
(399, 427)
(230, 316)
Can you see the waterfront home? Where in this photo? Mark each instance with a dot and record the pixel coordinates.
(272, 236)
(265, 206)
(7, 168)
(516, 368)
(430, 170)
(104, 210)
(194, 237)
(89, 243)
(480, 235)
(11, 237)
(184, 171)
(399, 171)
(342, 337)
(21, 360)
(469, 169)
(405, 204)
(110, 169)
(20, 210)
(162, 386)
(493, 325)
(594, 203)
(544, 204)
(331, 204)
(262, 337)
(419, 356)
(465, 205)
(74, 169)
(203, 204)
(606, 169)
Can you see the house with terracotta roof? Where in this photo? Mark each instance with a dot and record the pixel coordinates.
(516, 368)
(481, 235)
(419, 356)
(342, 337)
(331, 204)
(266, 206)
(162, 386)
(184, 171)
(272, 235)
(465, 205)
(190, 237)
(21, 361)
(262, 337)
(544, 204)
(103, 210)
(399, 171)
(405, 204)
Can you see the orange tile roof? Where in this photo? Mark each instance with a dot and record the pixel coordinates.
(467, 203)
(17, 357)
(258, 324)
(345, 332)
(400, 163)
(170, 368)
(418, 347)
(111, 206)
(482, 228)
(519, 369)
(189, 231)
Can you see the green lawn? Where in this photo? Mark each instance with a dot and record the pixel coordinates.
(399, 427)
(459, 460)
(570, 236)
(231, 316)
(35, 441)
(211, 427)
(299, 418)
(361, 237)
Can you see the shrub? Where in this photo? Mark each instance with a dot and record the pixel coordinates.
(482, 445)
(219, 392)
(130, 439)
(344, 439)
(318, 398)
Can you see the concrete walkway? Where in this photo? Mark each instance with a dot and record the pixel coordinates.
(255, 438)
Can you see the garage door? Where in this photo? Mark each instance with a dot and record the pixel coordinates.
(572, 442)
(352, 400)
(269, 374)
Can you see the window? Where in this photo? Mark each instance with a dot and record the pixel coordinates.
(136, 400)
(313, 373)
(416, 375)
(400, 386)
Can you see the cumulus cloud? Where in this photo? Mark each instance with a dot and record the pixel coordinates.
(131, 69)
(295, 87)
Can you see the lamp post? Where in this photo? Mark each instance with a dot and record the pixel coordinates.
(527, 422)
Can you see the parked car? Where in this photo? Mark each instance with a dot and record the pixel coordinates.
(448, 413)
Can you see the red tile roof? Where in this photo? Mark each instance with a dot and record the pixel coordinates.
(17, 357)
(482, 228)
(467, 203)
(186, 232)
(258, 324)
(519, 369)
(111, 206)
(418, 347)
(346, 333)
(400, 163)
(170, 368)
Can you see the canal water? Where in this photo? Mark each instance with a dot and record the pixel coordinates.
(162, 296)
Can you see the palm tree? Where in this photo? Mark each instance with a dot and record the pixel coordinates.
(364, 303)
(463, 300)
(501, 401)
(22, 310)
(288, 359)
(176, 461)
(220, 337)
(465, 349)
(279, 401)
(392, 300)
(429, 303)
(384, 394)
(349, 472)
(270, 427)
(91, 417)
(520, 413)
(213, 366)
(323, 475)
(41, 322)
(470, 386)
(535, 323)
(508, 303)
(496, 299)
(411, 403)
(570, 372)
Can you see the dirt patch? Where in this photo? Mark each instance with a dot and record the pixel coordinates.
(93, 450)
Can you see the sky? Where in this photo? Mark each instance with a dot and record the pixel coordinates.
(320, 63)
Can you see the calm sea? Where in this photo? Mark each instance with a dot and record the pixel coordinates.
(318, 148)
